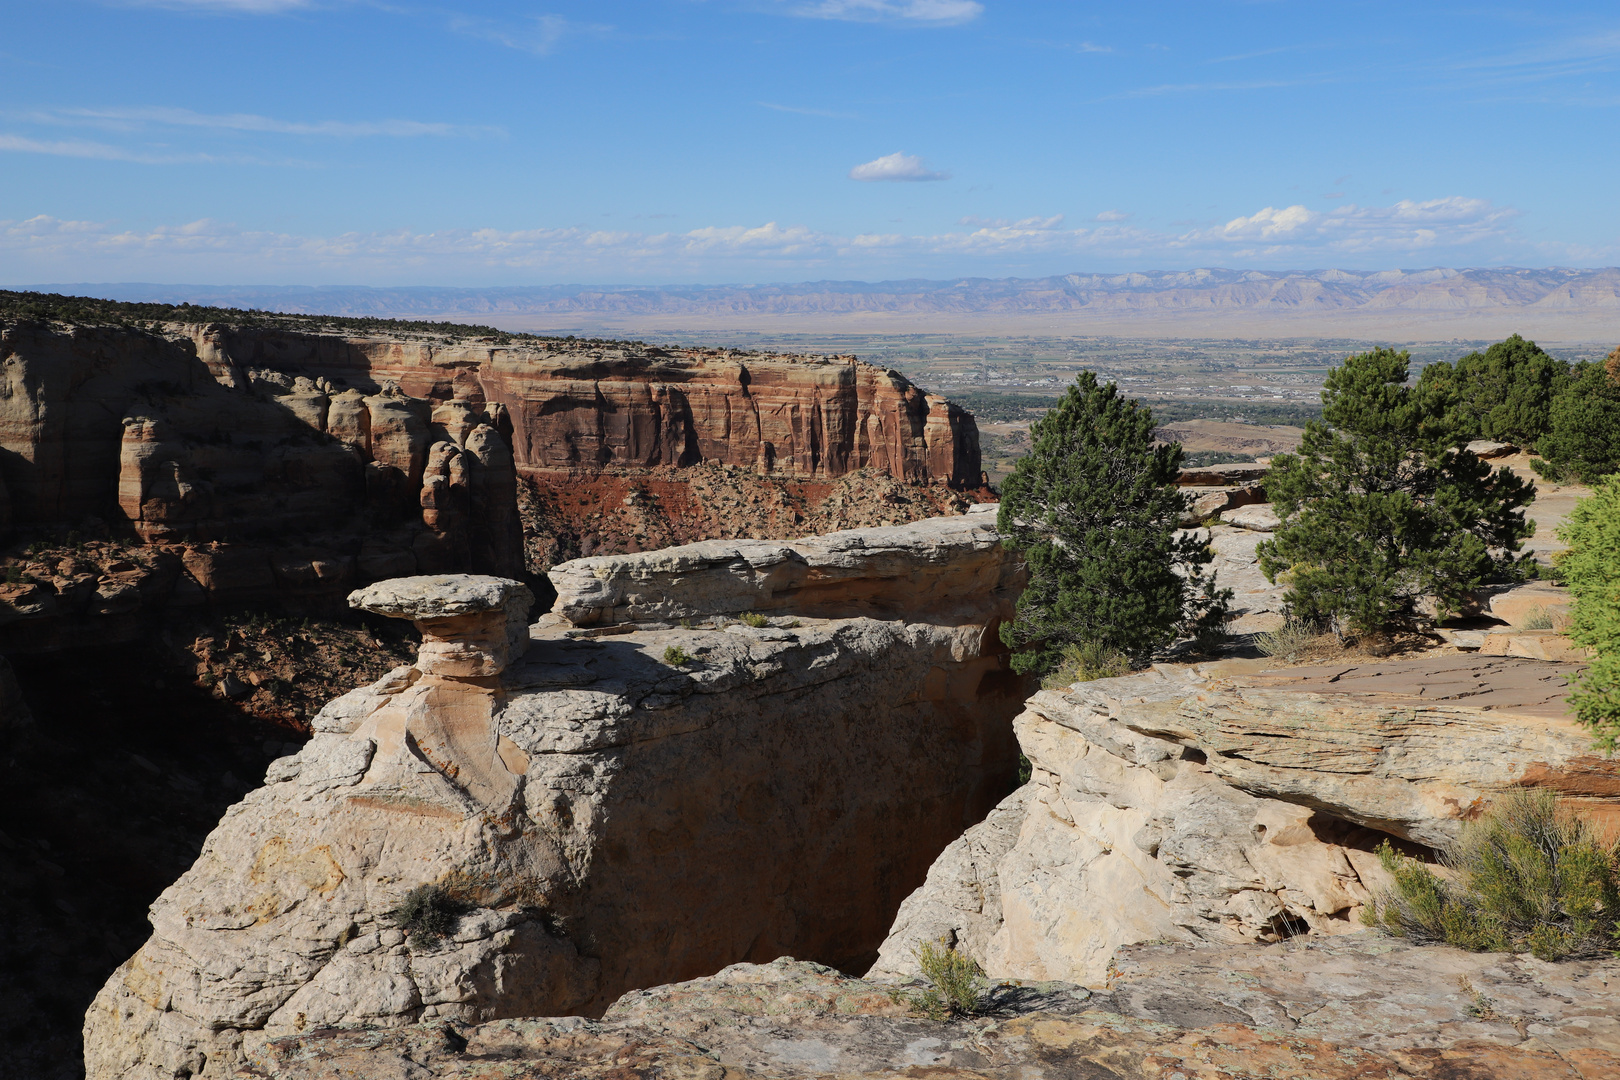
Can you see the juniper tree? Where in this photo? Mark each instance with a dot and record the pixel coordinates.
(1379, 509)
(1584, 441)
(1504, 393)
(1095, 510)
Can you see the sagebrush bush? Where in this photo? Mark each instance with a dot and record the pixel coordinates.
(429, 913)
(956, 982)
(675, 656)
(1288, 642)
(754, 619)
(1084, 662)
(1528, 876)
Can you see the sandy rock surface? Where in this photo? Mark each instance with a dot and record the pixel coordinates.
(1336, 1010)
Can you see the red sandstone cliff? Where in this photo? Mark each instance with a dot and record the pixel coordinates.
(258, 463)
(588, 405)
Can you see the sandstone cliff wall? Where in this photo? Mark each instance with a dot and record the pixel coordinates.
(259, 465)
(614, 817)
(587, 406)
(1222, 804)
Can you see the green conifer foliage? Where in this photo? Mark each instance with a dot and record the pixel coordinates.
(1504, 393)
(1584, 441)
(1094, 508)
(1379, 510)
(1592, 568)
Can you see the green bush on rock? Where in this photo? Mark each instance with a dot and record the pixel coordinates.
(1528, 876)
(1591, 566)
(955, 982)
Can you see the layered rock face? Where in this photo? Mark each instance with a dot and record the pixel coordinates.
(615, 807)
(590, 405)
(1225, 804)
(243, 484)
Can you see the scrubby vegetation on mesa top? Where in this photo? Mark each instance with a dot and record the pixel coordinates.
(92, 310)
(1515, 392)
(1529, 876)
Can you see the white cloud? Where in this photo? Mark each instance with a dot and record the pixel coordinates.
(132, 119)
(895, 166)
(1405, 226)
(79, 148)
(1466, 231)
(921, 12)
(1112, 215)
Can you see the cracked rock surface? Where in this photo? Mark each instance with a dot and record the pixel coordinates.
(1335, 1009)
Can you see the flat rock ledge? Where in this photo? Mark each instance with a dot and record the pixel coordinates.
(1343, 1009)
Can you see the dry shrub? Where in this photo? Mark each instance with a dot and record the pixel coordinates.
(1084, 662)
(956, 982)
(1528, 876)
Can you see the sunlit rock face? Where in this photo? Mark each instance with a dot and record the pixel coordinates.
(1226, 803)
(615, 806)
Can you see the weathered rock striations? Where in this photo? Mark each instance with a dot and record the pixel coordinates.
(614, 814)
(941, 569)
(589, 405)
(1232, 804)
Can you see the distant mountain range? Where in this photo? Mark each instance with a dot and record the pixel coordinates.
(1555, 296)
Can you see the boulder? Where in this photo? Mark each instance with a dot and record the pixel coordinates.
(937, 569)
(1524, 603)
(471, 624)
(1232, 474)
(1237, 804)
(1258, 517)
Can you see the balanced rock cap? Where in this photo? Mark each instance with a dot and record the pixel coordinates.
(437, 596)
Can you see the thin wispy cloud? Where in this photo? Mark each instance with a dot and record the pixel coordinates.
(1112, 215)
(917, 12)
(1457, 226)
(896, 167)
(1208, 87)
(95, 151)
(827, 113)
(243, 7)
(538, 34)
(138, 118)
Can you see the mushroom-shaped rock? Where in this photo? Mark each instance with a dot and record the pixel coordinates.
(472, 625)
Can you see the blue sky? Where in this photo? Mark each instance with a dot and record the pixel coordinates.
(393, 142)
